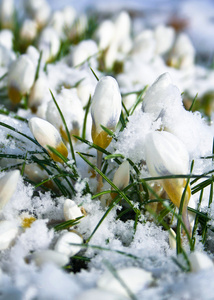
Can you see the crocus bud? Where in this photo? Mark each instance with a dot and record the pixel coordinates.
(162, 95)
(38, 10)
(6, 57)
(7, 10)
(6, 38)
(164, 37)
(104, 34)
(172, 239)
(49, 44)
(47, 135)
(37, 93)
(8, 184)
(183, 53)
(134, 278)
(63, 244)
(105, 110)
(8, 233)
(28, 31)
(121, 177)
(48, 256)
(167, 155)
(199, 261)
(83, 51)
(71, 210)
(20, 78)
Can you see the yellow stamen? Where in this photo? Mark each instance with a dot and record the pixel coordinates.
(26, 222)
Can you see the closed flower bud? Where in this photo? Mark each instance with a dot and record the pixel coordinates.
(38, 10)
(105, 33)
(6, 38)
(199, 261)
(49, 44)
(105, 110)
(121, 177)
(172, 239)
(8, 184)
(83, 51)
(162, 95)
(134, 278)
(183, 53)
(20, 78)
(47, 135)
(28, 30)
(8, 233)
(164, 37)
(63, 244)
(166, 155)
(37, 93)
(71, 210)
(7, 10)
(43, 257)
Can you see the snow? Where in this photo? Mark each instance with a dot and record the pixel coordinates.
(33, 265)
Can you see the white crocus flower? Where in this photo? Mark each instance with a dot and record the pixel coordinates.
(37, 93)
(166, 155)
(38, 10)
(164, 37)
(8, 184)
(71, 210)
(105, 110)
(49, 44)
(6, 38)
(8, 234)
(200, 261)
(20, 78)
(104, 34)
(121, 177)
(65, 241)
(183, 53)
(47, 135)
(83, 51)
(160, 96)
(7, 10)
(28, 30)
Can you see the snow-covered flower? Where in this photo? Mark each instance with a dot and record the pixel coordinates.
(105, 110)
(71, 210)
(65, 241)
(161, 97)
(166, 155)
(8, 184)
(121, 177)
(200, 261)
(20, 78)
(47, 135)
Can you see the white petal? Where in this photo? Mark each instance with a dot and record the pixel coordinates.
(71, 210)
(49, 256)
(63, 244)
(8, 184)
(8, 233)
(165, 154)
(106, 103)
(199, 261)
(134, 278)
